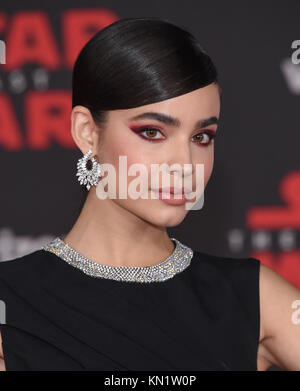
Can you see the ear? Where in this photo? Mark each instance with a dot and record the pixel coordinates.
(84, 129)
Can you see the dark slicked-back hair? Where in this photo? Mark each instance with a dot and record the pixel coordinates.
(135, 62)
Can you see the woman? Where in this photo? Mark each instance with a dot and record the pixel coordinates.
(116, 293)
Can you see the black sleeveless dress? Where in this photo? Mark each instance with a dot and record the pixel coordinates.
(207, 317)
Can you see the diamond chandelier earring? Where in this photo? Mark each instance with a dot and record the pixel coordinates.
(88, 170)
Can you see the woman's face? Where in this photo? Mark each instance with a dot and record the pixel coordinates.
(151, 140)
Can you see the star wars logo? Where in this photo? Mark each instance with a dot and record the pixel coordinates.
(34, 113)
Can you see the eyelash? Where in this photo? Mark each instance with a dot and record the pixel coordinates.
(210, 134)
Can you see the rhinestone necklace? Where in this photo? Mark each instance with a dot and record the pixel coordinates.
(179, 260)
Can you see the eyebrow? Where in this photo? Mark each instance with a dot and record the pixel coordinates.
(168, 120)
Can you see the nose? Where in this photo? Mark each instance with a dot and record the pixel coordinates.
(180, 161)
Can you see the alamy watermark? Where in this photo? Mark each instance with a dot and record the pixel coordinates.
(2, 312)
(2, 52)
(182, 186)
(296, 314)
(296, 53)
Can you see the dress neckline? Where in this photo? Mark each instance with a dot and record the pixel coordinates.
(178, 261)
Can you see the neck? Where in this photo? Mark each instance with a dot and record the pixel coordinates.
(111, 235)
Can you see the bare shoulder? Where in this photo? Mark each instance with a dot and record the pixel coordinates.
(280, 321)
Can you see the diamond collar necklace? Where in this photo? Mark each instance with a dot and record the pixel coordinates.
(179, 260)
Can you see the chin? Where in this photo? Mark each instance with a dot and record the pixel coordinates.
(166, 218)
(158, 214)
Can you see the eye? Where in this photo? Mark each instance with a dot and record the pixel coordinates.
(209, 137)
(149, 133)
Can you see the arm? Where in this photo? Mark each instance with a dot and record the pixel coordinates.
(2, 365)
(281, 331)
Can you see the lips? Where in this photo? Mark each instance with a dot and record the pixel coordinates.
(173, 190)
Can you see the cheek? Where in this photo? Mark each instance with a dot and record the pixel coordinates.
(208, 160)
(125, 144)
(131, 152)
(208, 166)
(116, 148)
